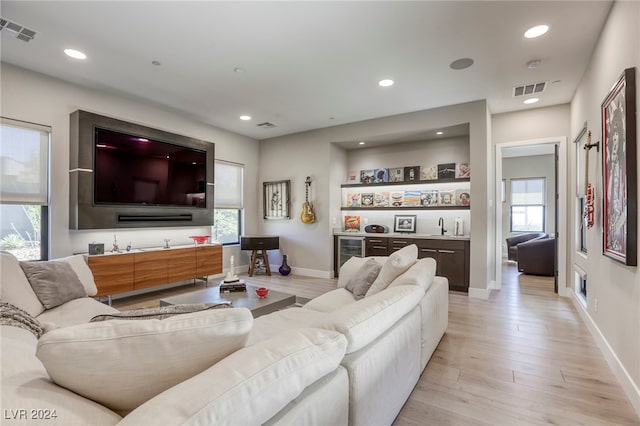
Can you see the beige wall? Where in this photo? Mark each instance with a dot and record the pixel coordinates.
(531, 124)
(36, 98)
(311, 154)
(615, 286)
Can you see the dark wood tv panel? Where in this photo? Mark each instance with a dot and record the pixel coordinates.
(122, 272)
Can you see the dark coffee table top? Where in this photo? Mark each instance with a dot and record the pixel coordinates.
(274, 301)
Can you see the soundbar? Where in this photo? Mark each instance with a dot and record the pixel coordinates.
(187, 217)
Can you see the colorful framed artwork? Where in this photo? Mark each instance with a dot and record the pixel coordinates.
(620, 195)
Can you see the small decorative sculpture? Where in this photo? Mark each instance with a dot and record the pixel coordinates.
(231, 276)
(115, 248)
(129, 246)
(166, 243)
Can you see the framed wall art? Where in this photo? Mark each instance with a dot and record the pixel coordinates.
(276, 199)
(404, 223)
(619, 169)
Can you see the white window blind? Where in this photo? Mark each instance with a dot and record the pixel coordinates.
(24, 160)
(228, 188)
(527, 192)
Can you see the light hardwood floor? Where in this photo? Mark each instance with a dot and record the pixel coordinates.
(523, 357)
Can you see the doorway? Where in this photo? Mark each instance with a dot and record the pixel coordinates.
(530, 164)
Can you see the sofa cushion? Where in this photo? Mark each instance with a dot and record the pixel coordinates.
(14, 286)
(121, 364)
(395, 265)
(15, 317)
(365, 320)
(79, 265)
(420, 273)
(361, 281)
(161, 312)
(249, 386)
(74, 312)
(26, 385)
(54, 283)
(330, 301)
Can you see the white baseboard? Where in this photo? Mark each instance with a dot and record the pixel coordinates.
(630, 388)
(479, 293)
(493, 285)
(314, 273)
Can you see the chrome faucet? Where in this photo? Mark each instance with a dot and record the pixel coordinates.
(441, 225)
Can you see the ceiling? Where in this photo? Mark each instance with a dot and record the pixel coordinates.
(307, 65)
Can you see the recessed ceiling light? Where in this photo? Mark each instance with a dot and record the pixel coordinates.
(531, 101)
(75, 54)
(386, 82)
(460, 64)
(238, 69)
(156, 63)
(361, 143)
(245, 117)
(439, 133)
(536, 31)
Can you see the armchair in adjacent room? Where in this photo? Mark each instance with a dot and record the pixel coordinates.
(512, 242)
(537, 257)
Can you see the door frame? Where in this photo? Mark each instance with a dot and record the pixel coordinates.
(561, 209)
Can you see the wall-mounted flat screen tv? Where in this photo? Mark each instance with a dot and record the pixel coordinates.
(138, 171)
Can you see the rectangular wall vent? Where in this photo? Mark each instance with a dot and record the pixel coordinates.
(530, 89)
(267, 125)
(19, 31)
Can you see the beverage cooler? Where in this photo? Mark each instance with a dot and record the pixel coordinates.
(349, 247)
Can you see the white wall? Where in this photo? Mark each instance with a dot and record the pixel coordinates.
(616, 322)
(310, 154)
(535, 166)
(36, 98)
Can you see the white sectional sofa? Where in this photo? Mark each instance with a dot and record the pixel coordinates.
(336, 361)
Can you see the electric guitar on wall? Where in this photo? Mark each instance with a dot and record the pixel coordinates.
(307, 216)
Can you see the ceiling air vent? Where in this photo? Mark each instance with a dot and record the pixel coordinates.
(530, 89)
(267, 125)
(21, 33)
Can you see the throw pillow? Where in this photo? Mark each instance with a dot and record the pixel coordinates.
(395, 265)
(82, 270)
(159, 313)
(365, 276)
(53, 282)
(122, 364)
(16, 317)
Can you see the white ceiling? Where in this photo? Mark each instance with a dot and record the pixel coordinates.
(307, 65)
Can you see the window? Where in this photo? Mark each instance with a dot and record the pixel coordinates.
(228, 202)
(24, 184)
(527, 205)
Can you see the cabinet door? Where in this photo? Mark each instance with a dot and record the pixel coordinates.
(396, 244)
(451, 264)
(208, 260)
(376, 246)
(150, 268)
(112, 273)
(182, 265)
(427, 252)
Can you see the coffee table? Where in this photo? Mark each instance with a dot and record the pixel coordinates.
(274, 301)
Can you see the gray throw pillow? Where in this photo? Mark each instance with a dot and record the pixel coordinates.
(54, 283)
(160, 313)
(16, 317)
(365, 276)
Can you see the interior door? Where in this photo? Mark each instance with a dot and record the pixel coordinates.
(555, 200)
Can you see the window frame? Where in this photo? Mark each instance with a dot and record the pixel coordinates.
(238, 205)
(543, 205)
(44, 208)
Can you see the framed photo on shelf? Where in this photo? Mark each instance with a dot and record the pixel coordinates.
(275, 199)
(404, 223)
(620, 201)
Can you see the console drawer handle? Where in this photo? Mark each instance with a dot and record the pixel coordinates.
(429, 250)
(400, 242)
(375, 241)
(380, 247)
(447, 251)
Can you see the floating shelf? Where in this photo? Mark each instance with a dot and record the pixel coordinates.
(409, 208)
(416, 182)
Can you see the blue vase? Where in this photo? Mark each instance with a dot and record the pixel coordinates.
(284, 268)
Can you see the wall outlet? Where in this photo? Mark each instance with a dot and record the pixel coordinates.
(595, 304)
